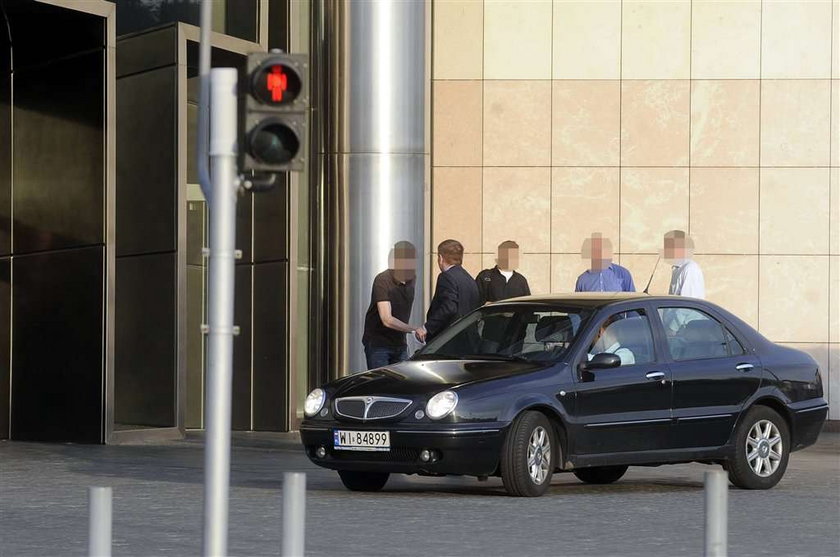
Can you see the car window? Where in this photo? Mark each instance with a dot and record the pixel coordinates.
(627, 335)
(735, 347)
(695, 335)
(532, 332)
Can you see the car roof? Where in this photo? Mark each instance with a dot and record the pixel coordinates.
(588, 299)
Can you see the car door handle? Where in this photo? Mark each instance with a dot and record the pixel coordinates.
(744, 367)
(655, 375)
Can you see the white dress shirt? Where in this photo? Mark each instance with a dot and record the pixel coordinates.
(687, 280)
(625, 354)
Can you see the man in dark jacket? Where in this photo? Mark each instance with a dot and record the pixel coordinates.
(455, 292)
(502, 281)
(391, 298)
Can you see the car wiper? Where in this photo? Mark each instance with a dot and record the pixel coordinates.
(434, 356)
(497, 357)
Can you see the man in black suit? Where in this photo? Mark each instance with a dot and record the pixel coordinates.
(456, 293)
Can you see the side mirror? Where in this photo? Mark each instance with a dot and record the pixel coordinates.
(604, 360)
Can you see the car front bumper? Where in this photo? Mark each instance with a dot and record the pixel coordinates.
(462, 449)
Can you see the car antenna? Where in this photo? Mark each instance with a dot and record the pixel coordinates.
(645, 291)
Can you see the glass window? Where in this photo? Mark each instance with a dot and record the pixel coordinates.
(238, 18)
(536, 333)
(694, 335)
(627, 335)
(735, 348)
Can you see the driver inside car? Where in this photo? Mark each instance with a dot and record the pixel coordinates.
(609, 341)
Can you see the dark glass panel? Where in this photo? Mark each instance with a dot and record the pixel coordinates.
(5, 316)
(69, 32)
(145, 341)
(195, 347)
(270, 223)
(147, 176)
(57, 350)
(241, 402)
(237, 18)
(58, 168)
(147, 51)
(270, 346)
(278, 24)
(5, 146)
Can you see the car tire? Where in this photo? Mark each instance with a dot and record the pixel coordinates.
(600, 474)
(528, 456)
(762, 448)
(363, 481)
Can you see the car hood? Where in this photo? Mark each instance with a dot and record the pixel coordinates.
(428, 377)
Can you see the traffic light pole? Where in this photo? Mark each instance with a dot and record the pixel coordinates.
(220, 328)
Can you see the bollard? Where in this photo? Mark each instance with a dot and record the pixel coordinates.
(99, 528)
(717, 494)
(294, 513)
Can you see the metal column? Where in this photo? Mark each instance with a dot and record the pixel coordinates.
(372, 153)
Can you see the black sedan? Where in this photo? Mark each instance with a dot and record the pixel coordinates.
(581, 383)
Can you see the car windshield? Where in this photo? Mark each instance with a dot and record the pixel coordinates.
(516, 332)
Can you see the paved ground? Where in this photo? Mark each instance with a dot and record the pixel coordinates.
(158, 495)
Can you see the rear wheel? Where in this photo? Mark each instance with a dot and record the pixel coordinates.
(762, 445)
(527, 461)
(363, 481)
(600, 474)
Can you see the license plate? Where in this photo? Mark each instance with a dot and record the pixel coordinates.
(361, 440)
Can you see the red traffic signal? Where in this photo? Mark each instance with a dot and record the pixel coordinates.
(275, 113)
(276, 84)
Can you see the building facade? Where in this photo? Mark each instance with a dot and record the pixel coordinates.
(535, 121)
(554, 120)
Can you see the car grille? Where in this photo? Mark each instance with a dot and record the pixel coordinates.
(370, 407)
(396, 454)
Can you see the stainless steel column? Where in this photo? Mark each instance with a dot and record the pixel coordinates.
(370, 129)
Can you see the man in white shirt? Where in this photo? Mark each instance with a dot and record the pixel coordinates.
(686, 278)
(608, 341)
(686, 275)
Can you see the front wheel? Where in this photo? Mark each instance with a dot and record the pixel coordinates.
(363, 481)
(527, 461)
(600, 474)
(762, 447)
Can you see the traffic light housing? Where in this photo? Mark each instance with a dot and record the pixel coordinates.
(276, 90)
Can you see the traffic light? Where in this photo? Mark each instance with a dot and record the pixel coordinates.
(276, 90)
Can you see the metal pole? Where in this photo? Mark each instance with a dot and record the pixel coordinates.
(204, 48)
(99, 528)
(220, 329)
(717, 493)
(294, 513)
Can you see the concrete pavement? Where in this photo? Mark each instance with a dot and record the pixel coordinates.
(158, 497)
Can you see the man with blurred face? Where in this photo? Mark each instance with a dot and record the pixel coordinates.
(686, 275)
(455, 292)
(502, 281)
(386, 320)
(686, 279)
(603, 275)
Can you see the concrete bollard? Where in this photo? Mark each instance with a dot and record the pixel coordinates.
(99, 528)
(717, 496)
(294, 513)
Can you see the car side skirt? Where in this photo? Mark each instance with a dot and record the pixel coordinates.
(652, 458)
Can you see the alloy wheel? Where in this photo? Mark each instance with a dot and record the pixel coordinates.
(539, 455)
(764, 448)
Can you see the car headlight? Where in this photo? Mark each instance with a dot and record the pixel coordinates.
(441, 404)
(314, 402)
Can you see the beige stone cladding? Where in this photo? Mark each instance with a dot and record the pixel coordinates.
(552, 120)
